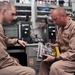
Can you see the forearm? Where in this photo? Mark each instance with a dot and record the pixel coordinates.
(52, 44)
(11, 41)
(69, 55)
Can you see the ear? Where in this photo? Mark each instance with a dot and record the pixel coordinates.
(3, 11)
(63, 15)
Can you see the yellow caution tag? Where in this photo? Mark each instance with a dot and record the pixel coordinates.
(31, 61)
(57, 51)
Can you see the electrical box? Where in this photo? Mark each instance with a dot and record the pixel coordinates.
(32, 59)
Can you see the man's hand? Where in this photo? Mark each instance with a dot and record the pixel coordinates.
(49, 58)
(22, 43)
(52, 44)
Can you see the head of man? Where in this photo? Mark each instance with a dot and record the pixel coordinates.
(59, 16)
(7, 12)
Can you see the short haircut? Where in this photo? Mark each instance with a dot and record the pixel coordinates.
(5, 4)
(60, 11)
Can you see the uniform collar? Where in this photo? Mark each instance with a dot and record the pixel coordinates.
(68, 23)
